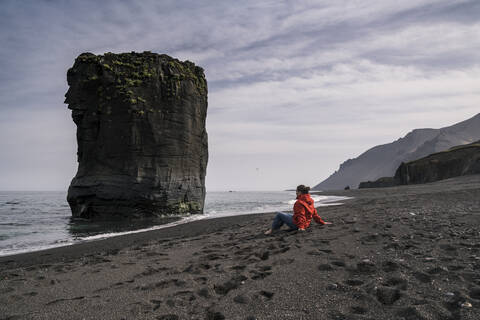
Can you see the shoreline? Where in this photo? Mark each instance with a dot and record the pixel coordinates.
(117, 242)
(180, 221)
(410, 252)
(75, 250)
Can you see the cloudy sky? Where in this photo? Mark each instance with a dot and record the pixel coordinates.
(295, 87)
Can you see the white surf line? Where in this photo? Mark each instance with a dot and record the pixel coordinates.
(158, 227)
(197, 218)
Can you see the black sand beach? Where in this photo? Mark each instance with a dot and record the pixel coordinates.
(409, 252)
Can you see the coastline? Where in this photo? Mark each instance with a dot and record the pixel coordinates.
(76, 232)
(118, 242)
(409, 252)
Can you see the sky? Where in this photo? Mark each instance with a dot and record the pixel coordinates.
(295, 87)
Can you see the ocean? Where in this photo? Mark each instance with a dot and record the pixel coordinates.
(32, 221)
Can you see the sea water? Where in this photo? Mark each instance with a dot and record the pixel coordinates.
(31, 221)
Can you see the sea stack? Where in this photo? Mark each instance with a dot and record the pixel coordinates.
(142, 142)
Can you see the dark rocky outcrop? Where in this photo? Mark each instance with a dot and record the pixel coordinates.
(383, 160)
(142, 142)
(457, 161)
(379, 183)
(454, 162)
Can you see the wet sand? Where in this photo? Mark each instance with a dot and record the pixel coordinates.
(409, 252)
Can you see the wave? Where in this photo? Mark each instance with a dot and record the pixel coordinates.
(322, 201)
(221, 205)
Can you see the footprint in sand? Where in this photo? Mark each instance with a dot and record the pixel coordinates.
(161, 284)
(16, 297)
(359, 310)
(325, 267)
(437, 270)
(387, 295)
(272, 247)
(316, 243)
(202, 280)
(449, 249)
(422, 277)
(338, 263)
(214, 315)
(370, 238)
(204, 293)
(475, 293)
(282, 262)
(365, 266)
(390, 266)
(283, 249)
(181, 299)
(239, 267)
(243, 251)
(186, 295)
(6, 290)
(325, 250)
(215, 256)
(267, 294)
(151, 271)
(264, 268)
(263, 255)
(229, 285)
(315, 253)
(241, 299)
(260, 274)
(397, 282)
(218, 268)
(118, 284)
(455, 267)
(64, 299)
(156, 304)
(471, 276)
(410, 313)
(168, 317)
(154, 254)
(391, 246)
(191, 269)
(354, 282)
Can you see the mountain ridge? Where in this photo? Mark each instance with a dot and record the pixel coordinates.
(382, 160)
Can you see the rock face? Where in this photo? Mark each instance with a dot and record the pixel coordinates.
(383, 160)
(379, 183)
(457, 161)
(142, 142)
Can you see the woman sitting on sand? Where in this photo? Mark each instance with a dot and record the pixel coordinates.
(303, 212)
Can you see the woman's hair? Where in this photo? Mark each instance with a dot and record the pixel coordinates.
(303, 189)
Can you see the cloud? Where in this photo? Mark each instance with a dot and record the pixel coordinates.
(326, 79)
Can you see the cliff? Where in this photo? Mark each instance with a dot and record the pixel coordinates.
(379, 183)
(142, 142)
(383, 160)
(457, 161)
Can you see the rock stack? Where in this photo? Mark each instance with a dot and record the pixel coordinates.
(142, 142)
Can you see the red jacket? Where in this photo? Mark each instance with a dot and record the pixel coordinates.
(304, 211)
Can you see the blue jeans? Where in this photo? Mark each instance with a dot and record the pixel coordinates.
(283, 218)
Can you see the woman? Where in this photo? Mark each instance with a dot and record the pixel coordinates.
(303, 212)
